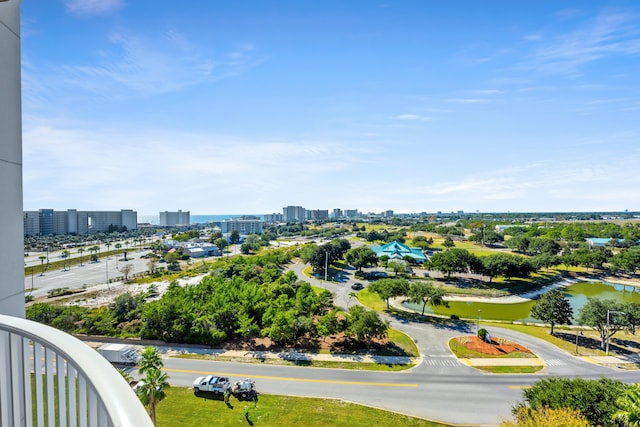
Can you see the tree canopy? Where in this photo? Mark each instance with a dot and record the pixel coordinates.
(389, 288)
(426, 293)
(553, 307)
(595, 399)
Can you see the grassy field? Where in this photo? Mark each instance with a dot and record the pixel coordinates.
(182, 408)
(564, 338)
(405, 342)
(510, 369)
(371, 300)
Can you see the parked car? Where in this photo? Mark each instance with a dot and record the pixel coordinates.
(357, 286)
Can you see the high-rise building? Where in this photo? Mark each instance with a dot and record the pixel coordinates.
(244, 225)
(293, 214)
(272, 218)
(175, 218)
(350, 213)
(47, 221)
(318, 214)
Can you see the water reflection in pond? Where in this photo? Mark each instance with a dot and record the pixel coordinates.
(577, 295)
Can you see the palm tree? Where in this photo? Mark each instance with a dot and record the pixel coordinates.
(42, 258)
(150, 360)
(80, 251)
(65, 255)
(629, 404)
(151, 388)
(94, 250)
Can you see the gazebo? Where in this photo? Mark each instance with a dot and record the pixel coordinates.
(396, 250)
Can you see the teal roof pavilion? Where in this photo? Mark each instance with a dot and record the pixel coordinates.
(397, 250)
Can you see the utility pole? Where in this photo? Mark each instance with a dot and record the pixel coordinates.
(326, 264)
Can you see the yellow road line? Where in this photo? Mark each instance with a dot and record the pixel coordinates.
(519, 386)
(306, 380)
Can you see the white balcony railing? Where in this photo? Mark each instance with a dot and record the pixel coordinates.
(49, 378)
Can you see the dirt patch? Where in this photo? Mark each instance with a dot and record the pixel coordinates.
(497, 347)
(339, 343)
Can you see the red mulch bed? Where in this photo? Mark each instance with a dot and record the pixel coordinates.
(498, 346)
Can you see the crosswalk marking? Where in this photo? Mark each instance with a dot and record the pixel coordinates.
(555, 362)
(441, 361)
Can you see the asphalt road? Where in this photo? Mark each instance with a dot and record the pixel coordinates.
(446, 391)
(89, 273)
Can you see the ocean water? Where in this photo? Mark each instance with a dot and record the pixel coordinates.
(195, 219)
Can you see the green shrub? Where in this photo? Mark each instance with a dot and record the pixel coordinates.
(482, 334)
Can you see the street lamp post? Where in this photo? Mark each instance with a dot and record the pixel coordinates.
(608, 326)
(478, 323)
(107, 270)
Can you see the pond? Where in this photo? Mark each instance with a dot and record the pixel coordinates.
(576, 293)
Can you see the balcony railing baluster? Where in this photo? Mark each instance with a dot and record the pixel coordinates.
(42, 367)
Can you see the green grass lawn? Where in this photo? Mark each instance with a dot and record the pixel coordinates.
(371, 300)
(510, 369)
(404, 342)
(182, 408)
(542, 332)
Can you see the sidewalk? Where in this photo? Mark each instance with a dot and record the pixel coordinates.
(493, 361)
(294, 356)
(298, 356)
(611, 360)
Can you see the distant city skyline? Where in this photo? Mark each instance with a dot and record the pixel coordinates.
(415, 106)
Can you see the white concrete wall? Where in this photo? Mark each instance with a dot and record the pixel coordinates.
(11, 234)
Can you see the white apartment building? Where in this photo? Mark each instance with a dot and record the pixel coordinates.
(272, 218)
(47, 221)
(175, 218)
(244, 225)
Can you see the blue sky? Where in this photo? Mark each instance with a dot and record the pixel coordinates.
(248, 106)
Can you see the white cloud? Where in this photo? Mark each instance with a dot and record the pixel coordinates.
(413, 117)
(487, 91)
(198, 171)
(467, 101)
(134, 65)
(93, 7)
(609, 34)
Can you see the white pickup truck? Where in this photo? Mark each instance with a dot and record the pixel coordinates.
(211, 383)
